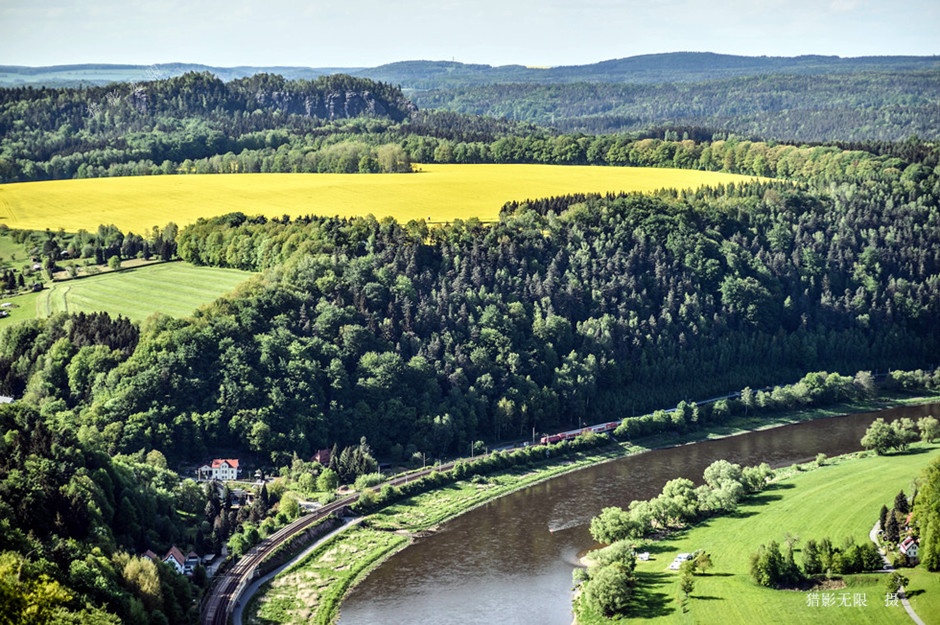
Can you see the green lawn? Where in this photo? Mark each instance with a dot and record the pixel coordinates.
(22, 307)
(836, 501)
(175, 289)
(9, 249)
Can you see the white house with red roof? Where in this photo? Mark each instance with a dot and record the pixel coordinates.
(908, 547)
(174, 557)
(219, 469)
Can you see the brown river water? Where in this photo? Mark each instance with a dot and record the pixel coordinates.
(510, 561)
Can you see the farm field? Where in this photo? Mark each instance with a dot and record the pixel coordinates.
(175, 289)
(436, 193)
(836, 500)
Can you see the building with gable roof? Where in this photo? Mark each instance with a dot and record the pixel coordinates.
(219, 469)
(174, 557)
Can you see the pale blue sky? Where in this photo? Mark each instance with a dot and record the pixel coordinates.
(362, 33)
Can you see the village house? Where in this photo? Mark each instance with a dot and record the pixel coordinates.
(322, 456)
(908, 547)
(219, 469)
(174, 557)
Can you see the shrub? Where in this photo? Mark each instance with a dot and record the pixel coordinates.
(368, 480)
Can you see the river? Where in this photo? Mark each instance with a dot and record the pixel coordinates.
(510, 561)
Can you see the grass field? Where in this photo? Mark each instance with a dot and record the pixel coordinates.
(836, 501)
(175, 289)
(441, 192)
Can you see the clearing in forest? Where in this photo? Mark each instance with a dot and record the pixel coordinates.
(175, 289)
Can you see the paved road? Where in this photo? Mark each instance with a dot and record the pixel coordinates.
(255, 585)
(873, 535)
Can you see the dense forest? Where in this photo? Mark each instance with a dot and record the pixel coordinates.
(578, 307)
(161, 126)
(861, 106)
(196, 123)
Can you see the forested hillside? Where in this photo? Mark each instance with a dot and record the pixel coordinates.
(569, 308)
(859, 106)
(196, 123)
(154, 127)
(420, 75)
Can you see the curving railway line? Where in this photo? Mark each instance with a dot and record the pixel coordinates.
(228, 589)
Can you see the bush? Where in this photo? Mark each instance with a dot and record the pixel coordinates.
(368, 480)
(328, 480)
(609, 590)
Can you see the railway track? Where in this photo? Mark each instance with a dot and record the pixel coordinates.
(227, 591)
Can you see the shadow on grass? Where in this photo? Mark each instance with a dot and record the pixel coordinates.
(657, 548)
(649, 600)
(913, 593)
(912, 451)
(707, 598)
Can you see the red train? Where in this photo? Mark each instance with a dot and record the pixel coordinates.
(600, 428)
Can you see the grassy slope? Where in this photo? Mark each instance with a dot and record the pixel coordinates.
(836, 501)
(175, 289)
(441, 192)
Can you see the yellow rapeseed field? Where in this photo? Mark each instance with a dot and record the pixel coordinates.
(438, 192)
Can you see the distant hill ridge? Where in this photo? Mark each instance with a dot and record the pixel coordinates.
(412, 75)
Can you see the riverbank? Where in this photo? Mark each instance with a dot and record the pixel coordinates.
(314, 593)
(806, 501)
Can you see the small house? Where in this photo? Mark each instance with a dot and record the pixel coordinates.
(174, 557)
(908, 547)
(150, 554)
(322, 456)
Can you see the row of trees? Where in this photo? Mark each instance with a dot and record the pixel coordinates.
(817, 388)
(681, 503)
(773, 568)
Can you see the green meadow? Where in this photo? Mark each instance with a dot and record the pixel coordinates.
(836, 500)
(175, 289)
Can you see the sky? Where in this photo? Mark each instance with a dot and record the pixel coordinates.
(366, 33)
